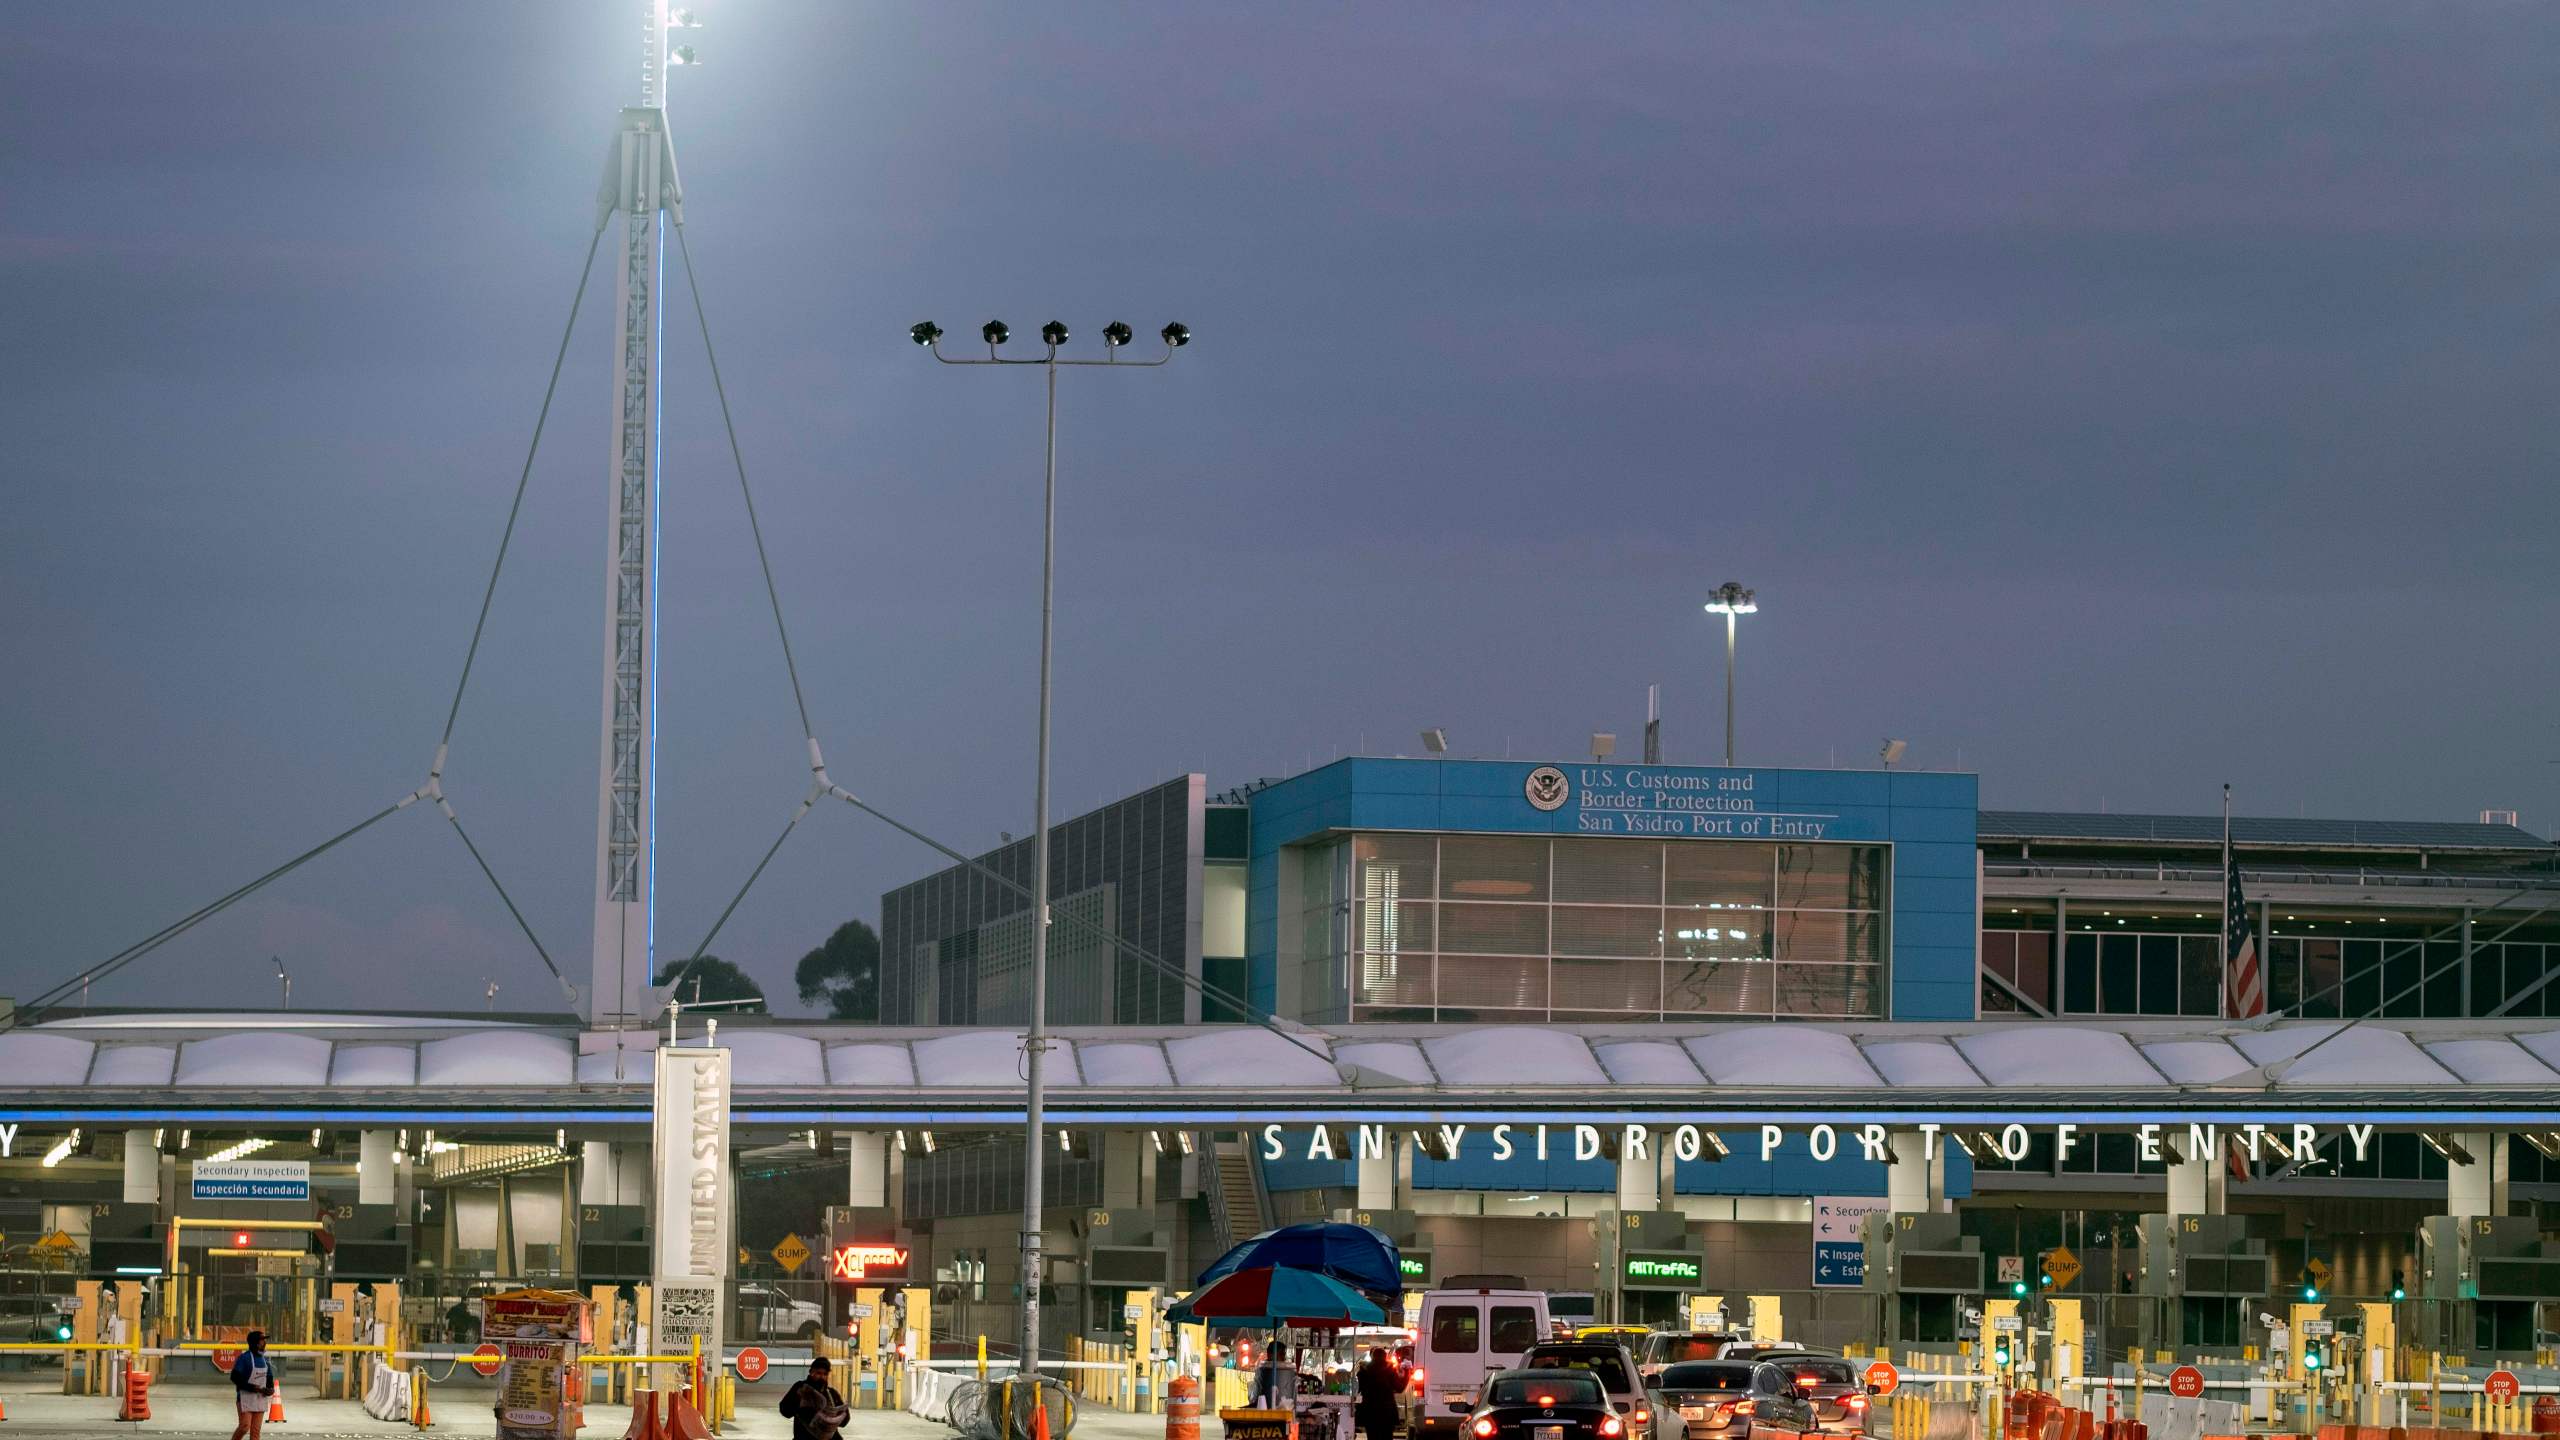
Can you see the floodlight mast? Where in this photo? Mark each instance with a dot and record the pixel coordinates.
(1035, 1041)
(640, 185)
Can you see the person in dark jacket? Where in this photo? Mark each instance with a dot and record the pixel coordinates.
(816, 1408)
(253, 1383)
(1381, 1394)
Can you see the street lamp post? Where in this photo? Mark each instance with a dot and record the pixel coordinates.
(1035, 1041)
(1729, 600)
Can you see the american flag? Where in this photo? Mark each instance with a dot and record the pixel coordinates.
(2243, 977)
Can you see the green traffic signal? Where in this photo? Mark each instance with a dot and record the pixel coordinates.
(2310, 1292)
(2018, 1288)
(62, 1332)
(2310, 1357)
(2399, 1293)
(2000, 1354)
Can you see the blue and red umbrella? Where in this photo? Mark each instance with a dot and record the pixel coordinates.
(1274, 1296)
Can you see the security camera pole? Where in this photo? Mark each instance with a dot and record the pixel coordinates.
(1035, 1042)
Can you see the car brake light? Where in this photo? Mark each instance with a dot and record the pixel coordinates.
(1643, 1416)
(1808, 1379)
(1747, 1407)
(1724, 1409)
(1857, 1402)
(1611, 1425)
(1545, 1402)
(1483, 1425)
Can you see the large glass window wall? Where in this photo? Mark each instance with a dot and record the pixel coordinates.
(1476, 928)
(2328, 970)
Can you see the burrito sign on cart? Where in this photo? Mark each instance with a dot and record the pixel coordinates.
(537, 1332)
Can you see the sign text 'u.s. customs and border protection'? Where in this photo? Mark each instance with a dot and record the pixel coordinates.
(250, 1180)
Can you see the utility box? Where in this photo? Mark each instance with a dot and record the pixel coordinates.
(1928, 1272)
(2202, 1274)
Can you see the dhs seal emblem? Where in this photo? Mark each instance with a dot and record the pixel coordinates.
(1547, 788)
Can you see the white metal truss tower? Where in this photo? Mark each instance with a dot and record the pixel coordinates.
(640, 184)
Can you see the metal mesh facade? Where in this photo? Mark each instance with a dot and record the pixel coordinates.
(955, 946)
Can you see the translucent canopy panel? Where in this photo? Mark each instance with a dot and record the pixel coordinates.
(2056, 1056)
(497, 1058)
(2491, 1062)
(134, 1065)
(374, 1067)
(2339, 1054)
(1105, 1063)
(295, 1061)
(635, 1067)
(774, 1057)
(882, 1065)
(30, 1057)
(1514, 1055)
(1247, 1060)
(1920, 1064)
(1398, 1060)
(1782, 1057)
(984, 1058)
(2197, 1062)
(1648, 1063)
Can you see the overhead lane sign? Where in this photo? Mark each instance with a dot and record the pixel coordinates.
(250, 1180)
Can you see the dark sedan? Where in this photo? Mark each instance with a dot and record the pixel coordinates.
(1835, 1398)
(1545, 1405)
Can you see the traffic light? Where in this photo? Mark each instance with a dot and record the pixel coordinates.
(62, 1331)
(2045, 1280)
(2311, 1356)
(2000, 1350)
(2310, 1292)
(2018, 1288)
(2399, 1286)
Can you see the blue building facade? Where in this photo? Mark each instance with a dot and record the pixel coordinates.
(1474, 890)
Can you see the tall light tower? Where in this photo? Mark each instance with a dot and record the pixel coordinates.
(640, 185)
(1729, 600)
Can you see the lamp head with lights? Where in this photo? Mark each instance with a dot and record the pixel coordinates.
(1054, 334)
(994, 332)
(1176, 334)
(1731, 599)
(1115, 334)
(924, 332)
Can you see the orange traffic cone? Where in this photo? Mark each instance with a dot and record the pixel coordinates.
(275, 1408)
(1039, 1415)
(4, 1412)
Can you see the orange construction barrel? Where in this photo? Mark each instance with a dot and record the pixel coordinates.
(1182, 1409)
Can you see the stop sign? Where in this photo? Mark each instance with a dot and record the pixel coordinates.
(2501, 1386)
(486, 1358)
(752, 1364)
(2186, 1382)
(223, 1360)
(1882, 1377)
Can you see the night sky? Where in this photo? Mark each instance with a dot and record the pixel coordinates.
(2114, 401)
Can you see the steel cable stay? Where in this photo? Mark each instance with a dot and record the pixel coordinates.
(432, 789)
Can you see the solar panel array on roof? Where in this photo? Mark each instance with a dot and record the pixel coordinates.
(2254, 830)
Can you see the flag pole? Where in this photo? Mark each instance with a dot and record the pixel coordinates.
(2230, 1001)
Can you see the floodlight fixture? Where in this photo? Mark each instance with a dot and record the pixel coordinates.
(1054, 334)
(1731, 599)
(994, 332)
(1892, 752)
(1436, 740)
(682, 55)
(1603, 744)
(924, 332)
(1176, 334)
(1115, 334)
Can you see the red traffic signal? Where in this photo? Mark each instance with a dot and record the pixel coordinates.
(240, 1240)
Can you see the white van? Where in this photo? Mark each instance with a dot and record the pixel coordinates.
(1464, 1336)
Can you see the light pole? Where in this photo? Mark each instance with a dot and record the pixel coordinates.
(1035, 1040)
(1729, 600)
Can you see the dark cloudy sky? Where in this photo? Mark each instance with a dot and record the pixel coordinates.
(2112, 400)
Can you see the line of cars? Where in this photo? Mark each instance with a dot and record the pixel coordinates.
(1484, 1371)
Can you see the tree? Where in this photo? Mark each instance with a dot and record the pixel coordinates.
(843, 974)
(713, 978)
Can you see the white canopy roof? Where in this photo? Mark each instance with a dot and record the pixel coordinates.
(219, 1059)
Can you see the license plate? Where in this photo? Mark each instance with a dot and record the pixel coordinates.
(1453, 1397)
(1548, 1432)
(1693, 1412)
